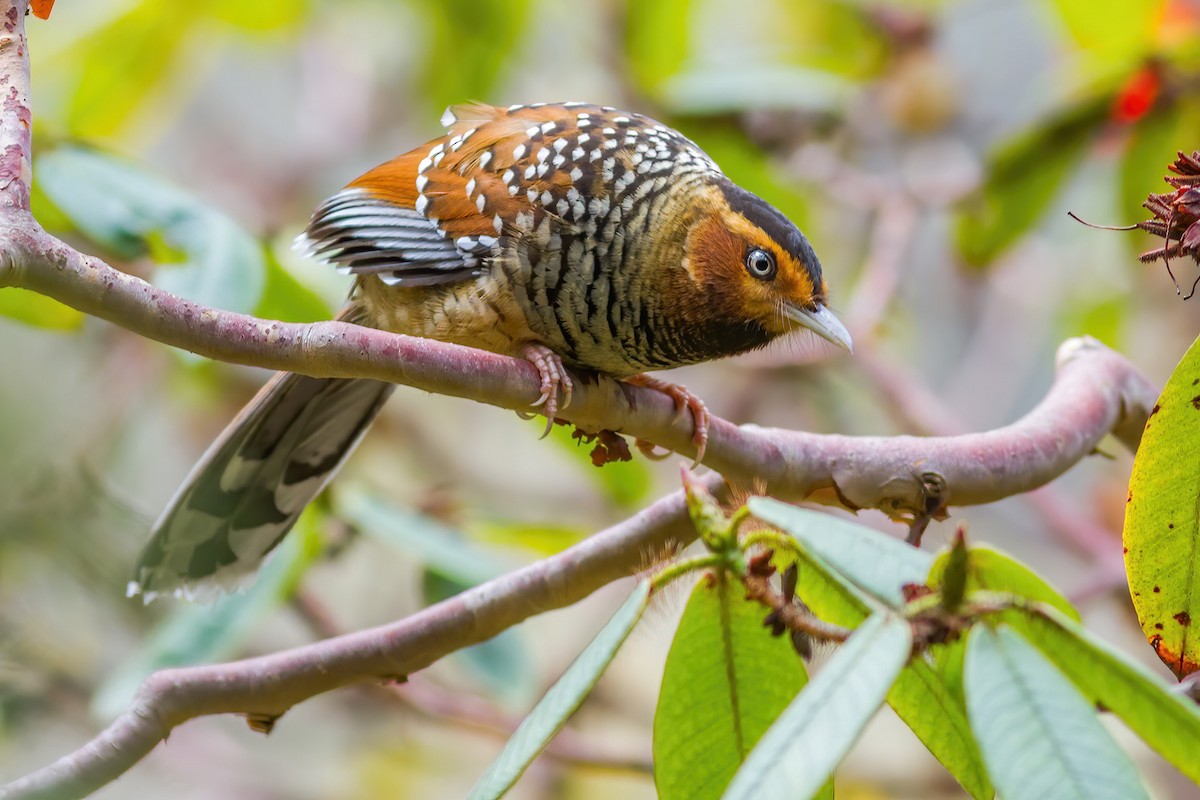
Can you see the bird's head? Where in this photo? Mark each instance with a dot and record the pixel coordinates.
(758, 267)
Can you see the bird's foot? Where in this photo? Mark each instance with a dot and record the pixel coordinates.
(555, 380)
(684, 401)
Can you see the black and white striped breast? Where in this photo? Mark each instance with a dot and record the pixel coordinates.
(573, 269)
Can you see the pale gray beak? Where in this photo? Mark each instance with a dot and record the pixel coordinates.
(822, 322)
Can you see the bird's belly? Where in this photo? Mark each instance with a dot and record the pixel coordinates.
(480, 313)
(580, 315)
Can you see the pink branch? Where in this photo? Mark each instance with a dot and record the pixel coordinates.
(1096, 392)
(16, 119)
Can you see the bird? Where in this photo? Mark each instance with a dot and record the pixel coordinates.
(576, 236)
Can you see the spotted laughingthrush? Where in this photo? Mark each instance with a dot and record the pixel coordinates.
(566, 233)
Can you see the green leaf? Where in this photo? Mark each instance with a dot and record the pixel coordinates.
(1162, 526)
(1025, 175)
(120, 67)
(544, 538)
(38, 310)
(930, 701)
(932, 708)
(286, 298)
(1153, 142)
(874, 562)
(1165, 720)
(108, 200)
(828, 593)
(134, 213)
(48, 215)
(725, 682)
(195, 634)
(563, 699)
(800, 751)
(1105, 317)
(1039, 737)
(224, 268)
(994, 571)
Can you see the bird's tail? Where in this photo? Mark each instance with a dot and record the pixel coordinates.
(250, 487)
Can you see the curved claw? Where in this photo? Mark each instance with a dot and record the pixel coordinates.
(549, 409)
(684, 401)
(650, 450)
(568, 389)
(554, 381)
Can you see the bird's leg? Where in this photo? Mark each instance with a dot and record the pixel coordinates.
(554, 380)
(684, 401)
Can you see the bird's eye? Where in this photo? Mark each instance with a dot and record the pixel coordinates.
(760, 264)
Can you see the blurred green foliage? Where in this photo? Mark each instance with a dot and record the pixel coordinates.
(468, 48)
(201, 254)
(1112, 34)
(790, 55)
(139, 57)
(1026, 174)
(36, 309)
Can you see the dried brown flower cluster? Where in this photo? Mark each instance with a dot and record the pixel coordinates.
(1176, 216)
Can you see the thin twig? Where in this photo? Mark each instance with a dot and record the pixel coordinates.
(792, 616)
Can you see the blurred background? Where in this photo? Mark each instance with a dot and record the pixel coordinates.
(930, 150)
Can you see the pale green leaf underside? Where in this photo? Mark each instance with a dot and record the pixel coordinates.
(1165, 720)
(877, 564)
(563, 699)
(1040, 738)
(798, 754)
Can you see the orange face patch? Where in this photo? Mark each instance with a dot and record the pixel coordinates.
(716, 260)
(792, 281)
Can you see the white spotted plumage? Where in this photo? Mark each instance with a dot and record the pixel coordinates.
(586, 166)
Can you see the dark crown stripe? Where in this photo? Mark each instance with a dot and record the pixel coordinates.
(781, 229)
